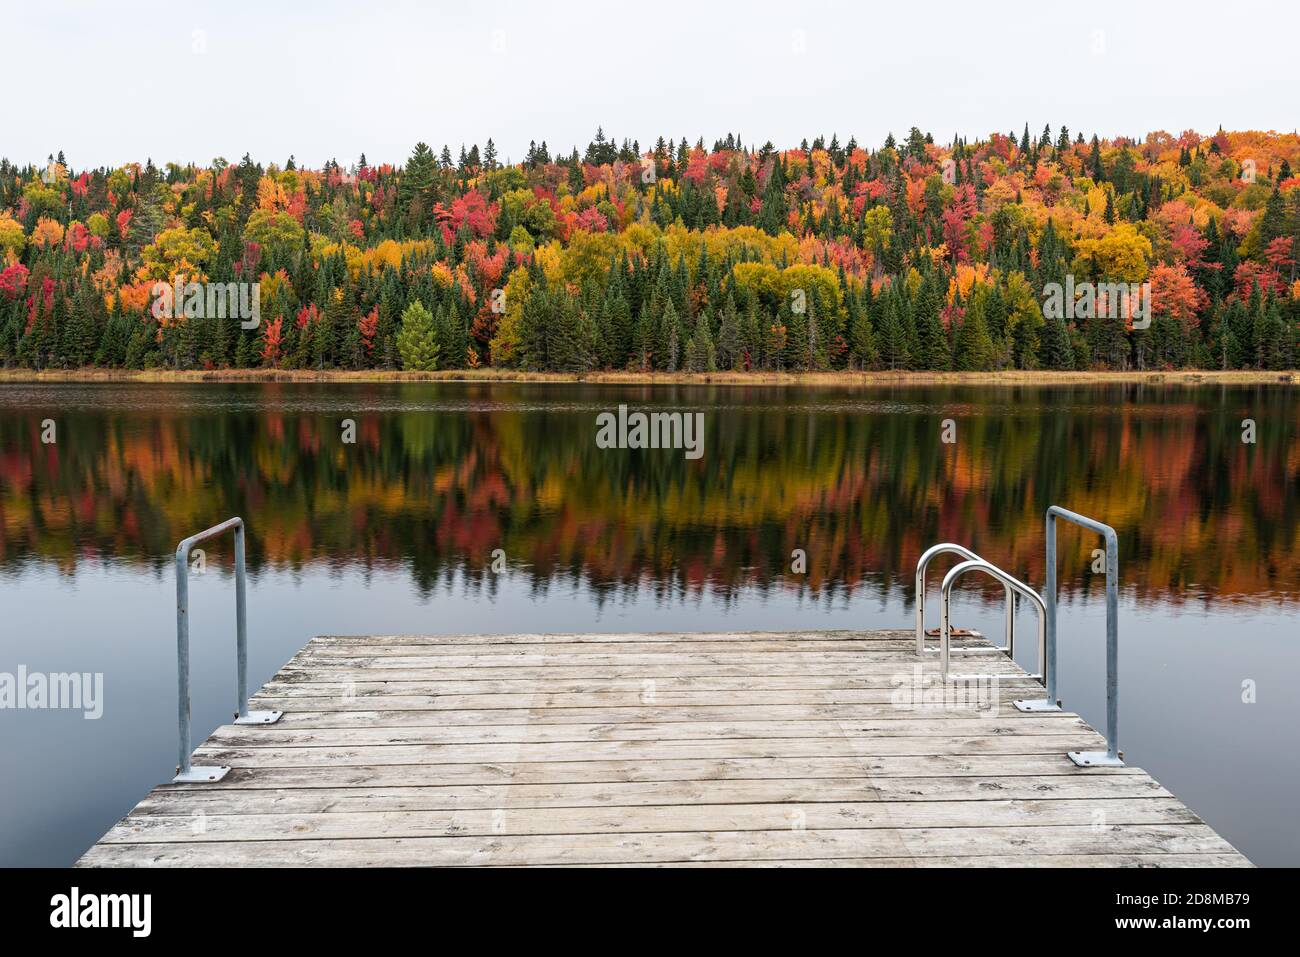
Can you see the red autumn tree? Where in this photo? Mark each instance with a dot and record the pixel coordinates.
(271, 339)
(367, 325)
(955, 218)
(1175, 295)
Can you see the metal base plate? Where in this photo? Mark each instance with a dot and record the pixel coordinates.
(259, 717)
(1039, 705)
(1094, 759)
(197, 775)
(956, 651)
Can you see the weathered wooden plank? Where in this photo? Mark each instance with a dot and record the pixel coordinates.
(360, 716)
(885, 673)
(761, 688)
(501, 709)
(297, 756)
(880, 768)
(537, 638)
(219, 799)
(788, 844)
(248, 825)
(876, 649)
(306, 682)
(384, 732)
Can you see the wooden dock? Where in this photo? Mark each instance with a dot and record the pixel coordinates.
(806, 748)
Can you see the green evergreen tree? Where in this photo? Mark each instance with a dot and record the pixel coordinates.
(935, 352)
(862, 336)
(893, 334)
(729, 335)
(974, 347)
(1055, 350)
(415, 185)
(671, 342)
(700, 354)
(416, 340)
(574, 346)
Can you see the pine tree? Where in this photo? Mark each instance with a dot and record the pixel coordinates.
(751, 337)
(862, 336)
(534, 323)
(672, 347)
(140, 347)
(974, 346)
(729, 345)
(893, 334)
(82, 331)
(245, 350)
(797, 325)
(416, 182)
(642, 357)
(619, 325)
(453, 335)
(700, 355)
(773, 214)
(1272, 223)
(935, 352)
(1094, 161)
(416, 341)
(112, 346)
(1238, 337)
(573, 347)
(1055, 351)
(1107, 341)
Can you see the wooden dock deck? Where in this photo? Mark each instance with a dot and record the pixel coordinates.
(652, 749)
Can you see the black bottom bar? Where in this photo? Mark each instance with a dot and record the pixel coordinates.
(250, 911)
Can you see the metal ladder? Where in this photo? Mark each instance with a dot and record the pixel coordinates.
(922, 563)
(185, 773)
(1046, 608)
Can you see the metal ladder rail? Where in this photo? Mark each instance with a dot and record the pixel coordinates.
(1112, 757)
(185, 772)
(1009, 625)
(1008, 582)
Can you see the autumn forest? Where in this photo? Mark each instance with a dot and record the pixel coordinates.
(675, 257)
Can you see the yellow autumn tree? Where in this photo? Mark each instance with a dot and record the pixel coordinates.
(276, 231)
(504, 346)
(176, 251)
(1122, 255)
(47, 233)
(12, 237)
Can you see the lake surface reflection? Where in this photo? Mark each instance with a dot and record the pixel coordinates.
(398, 532)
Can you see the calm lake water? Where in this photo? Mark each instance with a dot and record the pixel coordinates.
(396, 531)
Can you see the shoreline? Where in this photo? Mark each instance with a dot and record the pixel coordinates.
(841, 379)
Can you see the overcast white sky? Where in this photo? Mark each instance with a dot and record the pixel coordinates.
(113, 82)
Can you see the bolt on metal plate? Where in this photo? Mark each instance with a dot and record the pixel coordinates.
(1095, 759)
(198, 775)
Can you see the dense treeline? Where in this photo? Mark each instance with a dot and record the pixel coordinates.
(831, 256)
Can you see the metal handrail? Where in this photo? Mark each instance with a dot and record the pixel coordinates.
(922, 563)
(1112, 756)
(185, 772)
(1010, 583)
